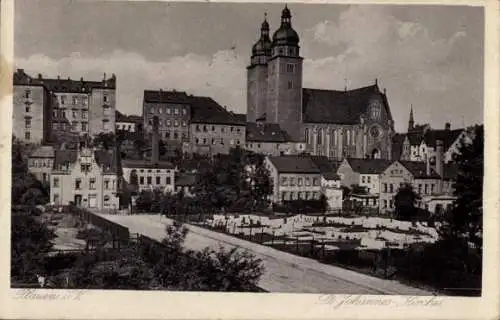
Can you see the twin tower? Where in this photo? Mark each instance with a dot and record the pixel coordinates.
(274, 78)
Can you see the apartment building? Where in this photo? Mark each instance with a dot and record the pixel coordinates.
(294, 177)
(86, 177)
(41, 162)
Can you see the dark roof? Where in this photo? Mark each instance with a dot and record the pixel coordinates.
(63, 85)
(368, 166)
(327, 167)
(120, 117)
(106, 160)
(341, 107)
(419, 170)
(447, 136)
(265, 132)
(415, 138)
(185, 179)
(64, 157)
(241, 117)
(294, 164)
(146, 164)
(203, 109)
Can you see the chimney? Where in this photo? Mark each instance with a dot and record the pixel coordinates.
(40, 76)
(447, 126)
(155, 142)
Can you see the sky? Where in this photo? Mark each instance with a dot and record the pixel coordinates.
(430, 57)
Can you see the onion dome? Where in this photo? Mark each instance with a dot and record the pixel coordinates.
(285, 35)
(263, 45)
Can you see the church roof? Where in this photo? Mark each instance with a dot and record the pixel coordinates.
(340, 107)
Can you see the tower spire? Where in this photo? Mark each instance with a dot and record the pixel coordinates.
(411, 122)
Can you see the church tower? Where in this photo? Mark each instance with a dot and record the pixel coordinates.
(257, 75)
(284, 96)
(411, 122)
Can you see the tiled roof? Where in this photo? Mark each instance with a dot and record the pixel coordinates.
(368, 166)
(447, 136)
(294, 164)
(265, 132)
(419, 170)
(203, 109)
(43, 152)
(64, 157)
(185, 179)
(63, 85)
(325, 165)
(146, 164)
(341, 107)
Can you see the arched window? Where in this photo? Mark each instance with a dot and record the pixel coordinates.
(320, 136)
(307, 134)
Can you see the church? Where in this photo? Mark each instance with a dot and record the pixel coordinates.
(353, 123)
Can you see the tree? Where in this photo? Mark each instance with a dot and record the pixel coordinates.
(405, 203)
(30, 241)
(466, 217)
(259, 182)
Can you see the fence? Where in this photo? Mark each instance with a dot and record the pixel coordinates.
(118, 231)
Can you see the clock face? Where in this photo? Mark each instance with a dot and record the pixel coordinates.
(375, 131)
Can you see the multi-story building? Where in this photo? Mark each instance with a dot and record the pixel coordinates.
(271, 140)
(193, 123)
(62, 109)
(86, 177)
(294, 177)
(364, 173)
(41, 162)
(344, 123)
(150, 174)
(128, 123)
(330, 181)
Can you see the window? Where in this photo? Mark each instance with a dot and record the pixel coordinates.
(149, 179)
(290, 84)
(283, 181)
(315, 182)
(63, 100)
(176, 110)
(238, 142)
(432, 188)
(167, 134)
(419, 189)
(27, 123)
(176, 122)
(169, 111)
(204, 140)
(308, 182)
(158, 180)
(363, 179)
(290, 67)
(105, 99)
(385, 187)
(198, 128)
(141, 180)
(160, 110)
(391, 188)
(75, 100)
(106, 184)
(56, 198)
(184, 111)
(168, 180)
(176, 135)
(319, 139)
(426, 186)
(197, 141)
(28, 109)
(184, 123)
(368, 179)
(385, 204)
(184, 136)
(213, 140)
(74, 114)
(56, 182)
(27, 135)
(74, 126)
(78, 183)
(222, 129)
(27, 94)
(292, 181)
(299, 181)
(92, 184)
(84, 114)
(231, 129)
(84, 100)
(106, 198)
(222, 141)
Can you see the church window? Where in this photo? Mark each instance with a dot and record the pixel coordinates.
(375, 111)
(292, 51)
(320, 136)
(290, 84)
(290, 67)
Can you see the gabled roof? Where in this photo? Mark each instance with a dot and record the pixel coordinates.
(294, 164)
(63, 85)
(419, 170)
(43, 152)
(265, 132)
(340, 107)
(161, 96)
(447, 136)
(369, 166)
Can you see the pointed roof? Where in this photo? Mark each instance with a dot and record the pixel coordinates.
(368, 166)
(294, 164)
